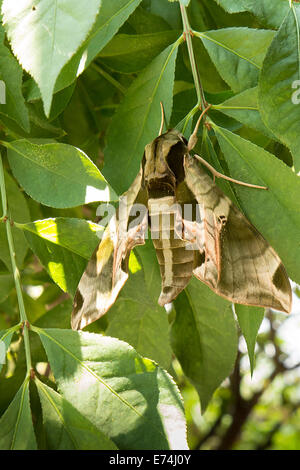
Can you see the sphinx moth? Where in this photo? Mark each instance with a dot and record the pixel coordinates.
(196, 230)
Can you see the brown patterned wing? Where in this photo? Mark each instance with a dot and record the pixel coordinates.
(107, 270)
(232, 257)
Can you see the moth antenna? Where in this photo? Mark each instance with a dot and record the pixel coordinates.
(193, 138)
(162, 118)
(216, 174)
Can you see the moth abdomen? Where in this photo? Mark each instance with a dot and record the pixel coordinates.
(175, 261)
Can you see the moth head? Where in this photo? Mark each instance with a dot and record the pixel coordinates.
(163, 162)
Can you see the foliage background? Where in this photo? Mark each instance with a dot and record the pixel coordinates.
(83, 88)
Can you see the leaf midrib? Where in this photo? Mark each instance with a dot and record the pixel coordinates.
(48, 169)
(96, 376)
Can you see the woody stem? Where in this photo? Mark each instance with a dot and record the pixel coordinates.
(196, 75)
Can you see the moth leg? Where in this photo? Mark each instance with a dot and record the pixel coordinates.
(217, 174)
(162, 118)
(193, 138)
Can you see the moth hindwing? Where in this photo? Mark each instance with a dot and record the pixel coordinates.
(196, 230)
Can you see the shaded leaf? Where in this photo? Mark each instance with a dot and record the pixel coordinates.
(57, 317)
(204, 338)
(128, 53)
(237, 53)
(244, 108)
(5, 339)
(137, 319)
(275, 213)
(6, 285)
(66, 428)
(127, 397)
(142, 21)
(14, 104)
(16, 428)
(270, 12)
(19, 212)
(250, 319)
(167, 11)
(137, 119)
(279, 84)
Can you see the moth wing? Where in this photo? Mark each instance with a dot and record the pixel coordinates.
(232, 257)
(107, 270)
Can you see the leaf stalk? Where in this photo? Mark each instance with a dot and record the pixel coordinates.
(187, 31)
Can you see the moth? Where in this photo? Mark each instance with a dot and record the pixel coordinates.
(212, 240)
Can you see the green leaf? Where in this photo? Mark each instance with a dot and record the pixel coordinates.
(185, 3)
(204, 338)
(170, 13)
(128, 53)
(211, 79)
(16, 428)
(279, 84)
(237, 53)
(110, 18)
(5, 339)
(142, 22)
(129, 398)
(270, 12)
(275, 213)
(250, 319)
(137, 319)
(244, 108)
(19, 213)
(45, 34)
(11, 74)
(66, 428)
(209, 154)
(57, 317)
(147, 257)
(136, 316)
(137, 119)
(6, 285)
(57, 175)
(63, 245)
(232, 6)
(77, 235)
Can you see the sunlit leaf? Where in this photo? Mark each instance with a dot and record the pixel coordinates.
(63, 245)
(57, 175)
(44, 35)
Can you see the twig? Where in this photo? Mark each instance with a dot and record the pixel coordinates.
(15, 270)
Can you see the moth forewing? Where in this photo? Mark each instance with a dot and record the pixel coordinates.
(239, 264)
(107, 270)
